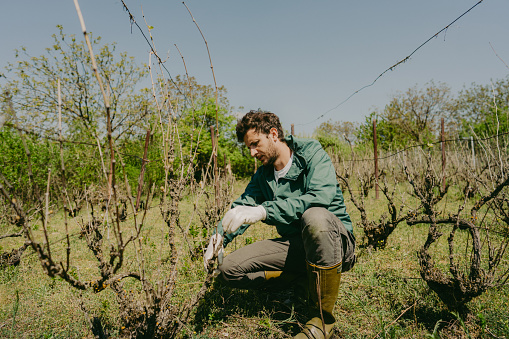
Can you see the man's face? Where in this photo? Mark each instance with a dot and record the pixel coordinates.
(262, 146)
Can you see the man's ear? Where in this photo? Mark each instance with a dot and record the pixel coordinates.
(273, 134)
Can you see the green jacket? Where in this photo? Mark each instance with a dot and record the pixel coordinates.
(310, 182)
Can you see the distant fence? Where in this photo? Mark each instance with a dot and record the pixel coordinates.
(375, 159)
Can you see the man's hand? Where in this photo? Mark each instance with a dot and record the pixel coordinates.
(239, 215)
(216, 242)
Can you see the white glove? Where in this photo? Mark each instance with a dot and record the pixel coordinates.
(216, 241)
(239, 215)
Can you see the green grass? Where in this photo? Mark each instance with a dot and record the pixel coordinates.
(383, 296)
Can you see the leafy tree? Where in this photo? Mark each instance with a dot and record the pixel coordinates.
(28, 157)
(388, 135)
(29, 101)
(485, 108)
(332, 133)
(412, 117)
(194, 113)
(32, 87)
(15, 170)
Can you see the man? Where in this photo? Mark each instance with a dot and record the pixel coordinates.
(295, 190)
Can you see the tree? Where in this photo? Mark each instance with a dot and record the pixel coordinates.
(32, 87)
(195, 112)
(389, 135)
(332, 133)
(485, 108)
(412, 117)
(30, 102)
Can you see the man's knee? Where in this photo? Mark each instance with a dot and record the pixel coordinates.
(321, 237)
(229, 270)
(315, 220)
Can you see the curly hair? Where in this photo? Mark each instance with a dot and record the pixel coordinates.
(261, 122)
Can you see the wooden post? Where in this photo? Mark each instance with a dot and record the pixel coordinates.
(142, 173)
(293, 130)
(376, 158)
(473, 152)
(442, 136)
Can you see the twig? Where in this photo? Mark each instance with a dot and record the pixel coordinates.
(215, 141)
(46, 213)
(92, 57)
(395, 320)
(498, 56)
(211, 66)
(12, 235)
(105, 96)
(64, 179)
(161, 62)
(192, 99)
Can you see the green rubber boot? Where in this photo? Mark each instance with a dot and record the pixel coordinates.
(323, 290)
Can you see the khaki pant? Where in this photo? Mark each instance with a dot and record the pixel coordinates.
(323, 241)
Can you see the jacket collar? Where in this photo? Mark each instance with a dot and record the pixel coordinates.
(297, 166)
(298, 162)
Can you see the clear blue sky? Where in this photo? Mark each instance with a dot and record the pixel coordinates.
(296, 58)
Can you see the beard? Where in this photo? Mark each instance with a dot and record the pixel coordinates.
(270, 155)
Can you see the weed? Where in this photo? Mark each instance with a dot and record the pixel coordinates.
(15, 312)
(482, 322)
(105, 307)
(462, 323)
(436, 331)
(9, 274)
